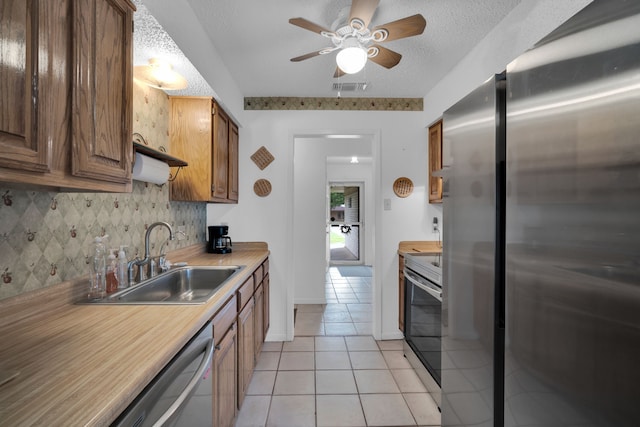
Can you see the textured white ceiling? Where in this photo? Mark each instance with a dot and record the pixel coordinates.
(256, 42)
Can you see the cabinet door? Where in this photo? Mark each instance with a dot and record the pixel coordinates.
(435, 162)
(27, 54)
(401, 292)
(102, 90)
(234, 139)
(190, 134)
(246, 355)
(220, 153)
(258, 330)
(265, 286)
(224, 380)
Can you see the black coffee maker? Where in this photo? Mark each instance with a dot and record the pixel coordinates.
(219, 242)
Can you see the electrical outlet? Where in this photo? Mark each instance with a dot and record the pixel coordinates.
(387, 204)
(435, 224)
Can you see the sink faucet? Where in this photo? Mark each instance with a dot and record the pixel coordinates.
(141, 263)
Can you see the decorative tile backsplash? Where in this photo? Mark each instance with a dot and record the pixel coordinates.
(151, 111)
(45, 237)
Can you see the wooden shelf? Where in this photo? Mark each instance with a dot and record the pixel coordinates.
(170, 160)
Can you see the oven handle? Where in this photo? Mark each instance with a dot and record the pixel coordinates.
(188, 390)
(428, 289)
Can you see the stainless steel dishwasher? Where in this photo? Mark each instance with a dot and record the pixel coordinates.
(181, 394)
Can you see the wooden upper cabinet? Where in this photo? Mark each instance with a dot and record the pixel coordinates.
(190, 132)
(22, 77)
(220, 153)
(103, 83)
(66, 84)
(435, 162)
(234, 140)
(203, 135)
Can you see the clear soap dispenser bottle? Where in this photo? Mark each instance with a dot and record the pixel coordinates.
(123, 273)
(97, 270)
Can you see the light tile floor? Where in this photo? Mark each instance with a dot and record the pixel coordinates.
(334, 373)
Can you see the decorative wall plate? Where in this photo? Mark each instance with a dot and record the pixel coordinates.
(403, 187)
(262, 187)
(262, 158)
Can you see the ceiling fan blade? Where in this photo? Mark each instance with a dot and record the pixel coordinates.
(363, 10)
(306, 56)
(405, 27)
(386, 57)
(338, 73)
(308, 25)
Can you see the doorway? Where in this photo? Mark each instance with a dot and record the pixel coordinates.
(311, 177)
(344, 223)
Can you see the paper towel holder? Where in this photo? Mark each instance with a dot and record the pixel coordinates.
(145, 149)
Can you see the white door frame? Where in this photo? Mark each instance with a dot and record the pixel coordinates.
(375, 227)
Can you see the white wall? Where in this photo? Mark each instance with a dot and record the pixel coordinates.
(402, 140)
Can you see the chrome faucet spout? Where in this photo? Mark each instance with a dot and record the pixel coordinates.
(141, 263)
(148, 233)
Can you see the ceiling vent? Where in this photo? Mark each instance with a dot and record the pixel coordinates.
(350, 87)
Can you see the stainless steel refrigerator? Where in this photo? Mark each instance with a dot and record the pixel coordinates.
(541, 266)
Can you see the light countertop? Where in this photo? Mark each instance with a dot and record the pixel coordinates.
(413, 246)
(82, 365)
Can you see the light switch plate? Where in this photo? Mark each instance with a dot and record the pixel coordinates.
(387, 204)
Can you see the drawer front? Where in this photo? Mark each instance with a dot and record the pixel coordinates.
(224, 318)
(245, 292)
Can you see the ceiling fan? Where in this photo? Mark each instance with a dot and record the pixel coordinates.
(357, 43)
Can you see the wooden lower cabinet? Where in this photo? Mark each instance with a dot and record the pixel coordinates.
(258, 317)
(225, 380)
(265, 285)
(239, 329)
(401, 292)
(225, 364)
(246, 353)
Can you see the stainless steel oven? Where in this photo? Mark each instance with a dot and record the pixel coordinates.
(423, 318)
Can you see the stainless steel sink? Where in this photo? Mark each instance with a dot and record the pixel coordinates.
(183, 285)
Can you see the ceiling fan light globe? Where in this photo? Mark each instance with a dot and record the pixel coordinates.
(351, 59)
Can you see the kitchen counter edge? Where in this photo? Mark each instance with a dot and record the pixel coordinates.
(417, 246)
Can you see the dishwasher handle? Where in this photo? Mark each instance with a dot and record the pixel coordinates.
(188, 390)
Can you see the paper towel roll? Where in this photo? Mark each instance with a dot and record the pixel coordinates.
(148, 169)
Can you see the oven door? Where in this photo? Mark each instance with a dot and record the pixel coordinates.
(423, 320)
